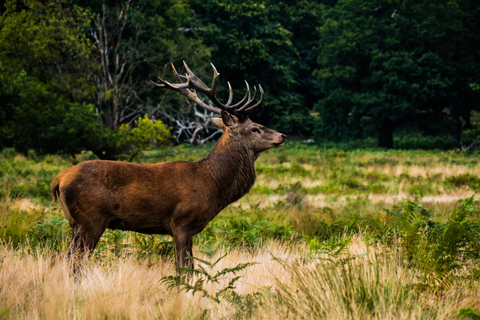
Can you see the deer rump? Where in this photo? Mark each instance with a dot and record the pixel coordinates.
(178, 198)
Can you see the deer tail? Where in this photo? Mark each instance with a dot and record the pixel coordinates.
(55, 187)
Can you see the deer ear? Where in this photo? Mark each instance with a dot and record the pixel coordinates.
(228, 119)
(218, 122)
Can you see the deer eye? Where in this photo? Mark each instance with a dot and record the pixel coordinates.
(255, 130)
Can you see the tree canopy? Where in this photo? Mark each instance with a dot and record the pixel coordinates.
(74, 74)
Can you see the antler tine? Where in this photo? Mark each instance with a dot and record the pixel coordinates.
(183, 88)
(250, 100)
(248, 110)
(230, 94)
(213, 87)
(177, 76)
(247, 94)
(166, 84)
(195, 82)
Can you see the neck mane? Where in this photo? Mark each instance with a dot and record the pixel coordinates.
(231, 166)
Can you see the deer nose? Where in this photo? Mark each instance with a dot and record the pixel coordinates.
(284, 137)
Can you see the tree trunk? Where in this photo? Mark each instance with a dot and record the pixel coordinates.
(454, 118)
(385, 135)
(466, 116)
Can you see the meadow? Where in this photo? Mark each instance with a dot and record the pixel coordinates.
(325, 233)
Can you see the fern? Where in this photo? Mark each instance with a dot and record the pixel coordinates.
(436, 248)
(206, 277)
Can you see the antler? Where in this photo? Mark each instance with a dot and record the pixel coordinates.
(194, 84)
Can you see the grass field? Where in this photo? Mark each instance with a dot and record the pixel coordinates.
(324, 234)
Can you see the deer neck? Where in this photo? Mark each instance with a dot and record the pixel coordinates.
(231, 166)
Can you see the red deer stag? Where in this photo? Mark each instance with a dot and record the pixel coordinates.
(178, 198)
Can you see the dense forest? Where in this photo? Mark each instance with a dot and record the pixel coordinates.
(74, 75)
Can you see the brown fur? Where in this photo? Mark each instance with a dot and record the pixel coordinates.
(178, 198)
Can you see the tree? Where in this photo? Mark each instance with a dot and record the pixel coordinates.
(135, 41)
(51, 47)
(386, 64)
(79, 71)
(253, 41)
(46, 74)
(45, 121)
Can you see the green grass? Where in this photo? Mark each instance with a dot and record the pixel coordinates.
(306, 197)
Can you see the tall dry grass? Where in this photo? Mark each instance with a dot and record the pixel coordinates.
(375, 285)
(364, 282)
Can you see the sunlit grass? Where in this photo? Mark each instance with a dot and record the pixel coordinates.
(307, 201)
(363, 282)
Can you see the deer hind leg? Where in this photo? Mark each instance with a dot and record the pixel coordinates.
(84, 240)
(189, 253)
(183, 248)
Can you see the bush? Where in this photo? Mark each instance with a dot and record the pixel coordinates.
(470, 135)
(464, 180)
(146, 135)
(435, 248)
(408, 141)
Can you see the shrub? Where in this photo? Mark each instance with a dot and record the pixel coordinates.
(464, 180)
(146, 135)
(435, 248)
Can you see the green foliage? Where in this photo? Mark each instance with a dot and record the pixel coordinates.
(19, 227)
(52, 76)
(22, 177)
(46, 77)
(387, 72)
(248, 229)
(417, 140)
(471, 135)
(134, 42)
(147, 245)
(296, 194)
(467, 313)
(53, 233)
(332, 248)
(14, 224)
(436, 248)
(52, 48)
(113, 243)
(146, 135)
(4, 311)
(464, 180)
(44, 121)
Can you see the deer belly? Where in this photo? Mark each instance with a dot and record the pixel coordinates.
(142, 227)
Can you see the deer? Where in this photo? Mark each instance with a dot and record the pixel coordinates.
(177, 198)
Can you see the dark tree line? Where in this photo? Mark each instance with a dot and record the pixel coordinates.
(394, 63)
(72, 73)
